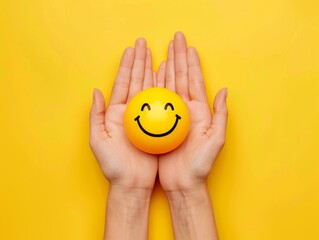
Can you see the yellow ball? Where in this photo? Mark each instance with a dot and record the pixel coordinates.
(156, 120)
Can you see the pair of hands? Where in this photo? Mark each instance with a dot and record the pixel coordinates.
(181, 170)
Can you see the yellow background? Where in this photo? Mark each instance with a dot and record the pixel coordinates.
(264, 185)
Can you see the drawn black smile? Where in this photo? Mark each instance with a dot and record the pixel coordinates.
(137, 119)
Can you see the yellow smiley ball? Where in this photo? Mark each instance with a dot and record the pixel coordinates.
(156, 120)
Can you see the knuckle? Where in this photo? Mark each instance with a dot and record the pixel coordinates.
(180, 73)
(169, 79)
(222, 111)
(120, 84)
(137, 78)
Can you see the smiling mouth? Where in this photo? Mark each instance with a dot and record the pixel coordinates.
(137, 119)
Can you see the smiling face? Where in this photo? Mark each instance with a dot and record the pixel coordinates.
(156, 120)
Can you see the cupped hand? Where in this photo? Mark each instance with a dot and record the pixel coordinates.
(123, 164)
(188, 166)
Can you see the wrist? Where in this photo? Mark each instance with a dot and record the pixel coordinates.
(127, 213)
(140, 194)
(186, 188)
(129, 201)
(197, 192)
(192, 213)
(187, 204)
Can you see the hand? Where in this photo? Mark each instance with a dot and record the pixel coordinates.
(123, 165)
(131, 173)
(187, 167)
(183, 171)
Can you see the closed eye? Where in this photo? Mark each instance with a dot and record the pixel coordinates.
(169, 105)
(146, 105)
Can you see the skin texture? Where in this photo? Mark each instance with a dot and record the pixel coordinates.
(183, 171)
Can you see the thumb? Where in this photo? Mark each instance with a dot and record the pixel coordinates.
(97, 114)
(219, 120)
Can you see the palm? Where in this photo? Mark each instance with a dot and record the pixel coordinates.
(124, 159)
(120, 161)
(191, 161)
(186, 159)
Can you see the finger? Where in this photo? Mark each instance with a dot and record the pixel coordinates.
(181, 69)
(148, 74)
(170, 68)
(154, 79)
(97, 113)
(137, 76)
(219, 120)
(122, 80)
(161, 75)
(196, 83)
